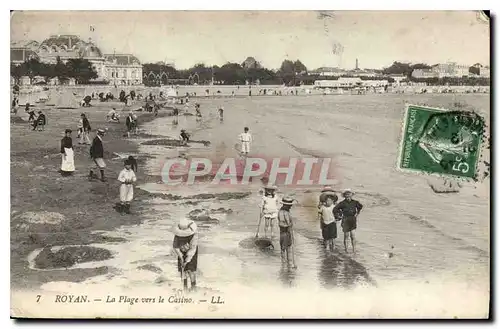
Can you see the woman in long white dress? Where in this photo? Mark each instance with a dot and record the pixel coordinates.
(68, 157)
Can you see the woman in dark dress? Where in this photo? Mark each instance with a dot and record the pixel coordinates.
(186, 248)
(68, 158)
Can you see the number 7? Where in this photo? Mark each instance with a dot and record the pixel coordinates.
(38, 298)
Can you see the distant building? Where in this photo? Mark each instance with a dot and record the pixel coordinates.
(329, 71)
(19, 55)
(123, 69)
(71, 46)
(484, 71)
(424, 73)
(451, 70)
(398, 78)
(349, 83)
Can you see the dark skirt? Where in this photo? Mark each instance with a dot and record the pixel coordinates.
(329, 231)
(192, 265)
(348, 224)
(285, 237)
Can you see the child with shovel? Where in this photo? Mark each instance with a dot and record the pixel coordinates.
(185, 246)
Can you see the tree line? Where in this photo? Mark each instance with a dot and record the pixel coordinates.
(77, 68)
(290, 73)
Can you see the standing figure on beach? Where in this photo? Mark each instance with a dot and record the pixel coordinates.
(347, 211)
(198, 111)
(68, 157)
(127, 178)
(221, 113)
(269, 209)
(327, 220)
(15, 103)
(130, 123)
(184, 137)
(97, 155)
(185, 246)
(245, 140)
(175, 122)
(285, 223)
(85, 129)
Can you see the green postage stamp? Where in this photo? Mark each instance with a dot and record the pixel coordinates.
(439, 141)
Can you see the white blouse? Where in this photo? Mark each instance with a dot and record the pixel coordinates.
(127, 175)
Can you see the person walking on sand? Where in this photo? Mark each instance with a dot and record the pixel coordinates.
(184, 137)
(127, 178)
(269, 209)
(221, 113)
(245, 139)
(327, 220)
(185, 245)
(85, 126)
(347, 211)
(68, 157)
(130, 123)
(285, 223)
(198, 111)
(97, 155)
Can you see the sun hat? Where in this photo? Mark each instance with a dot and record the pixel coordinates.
(185, 228)
(68, 131)
(101, 131)
(327, 189)
(287, 200)
(347, 191)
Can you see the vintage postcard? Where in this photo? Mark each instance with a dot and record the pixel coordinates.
(250, 164)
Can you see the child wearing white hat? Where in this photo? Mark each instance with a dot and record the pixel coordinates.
(269, 208)
(285, 223)
(185, 245)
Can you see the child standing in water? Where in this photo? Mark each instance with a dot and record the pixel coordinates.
(327, 221)
(127, 178)
(185, 246)
(269, 209)
(348, 210)
(286, 233)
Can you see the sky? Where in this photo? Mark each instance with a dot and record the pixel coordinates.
(375, 38)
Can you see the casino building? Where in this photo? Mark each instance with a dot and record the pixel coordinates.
(119, 69)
